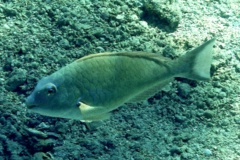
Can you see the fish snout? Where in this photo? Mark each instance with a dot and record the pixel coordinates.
(30, 102)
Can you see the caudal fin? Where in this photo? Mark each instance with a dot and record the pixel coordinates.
(196, 63)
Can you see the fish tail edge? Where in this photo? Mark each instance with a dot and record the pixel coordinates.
(196, 64)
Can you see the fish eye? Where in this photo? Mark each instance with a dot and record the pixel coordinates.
(51, 89)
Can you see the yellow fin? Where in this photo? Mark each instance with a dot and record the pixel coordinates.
(90, 113)
(84, 108)
(97, 118)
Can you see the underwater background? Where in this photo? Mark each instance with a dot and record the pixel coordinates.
(187, 120)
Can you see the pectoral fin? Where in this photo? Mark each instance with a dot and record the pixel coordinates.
(91, 113)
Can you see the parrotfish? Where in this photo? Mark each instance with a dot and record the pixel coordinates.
(89, 88)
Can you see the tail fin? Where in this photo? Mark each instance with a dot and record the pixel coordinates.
(196, 63)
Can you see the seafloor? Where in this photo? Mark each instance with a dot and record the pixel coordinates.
(189, 120)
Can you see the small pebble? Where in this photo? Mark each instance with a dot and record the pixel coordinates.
(207, 152)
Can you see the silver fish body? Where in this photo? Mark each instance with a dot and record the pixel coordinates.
(89, 88)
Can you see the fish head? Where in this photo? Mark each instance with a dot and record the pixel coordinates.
(50, 97)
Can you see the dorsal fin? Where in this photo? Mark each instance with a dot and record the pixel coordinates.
(150, 56)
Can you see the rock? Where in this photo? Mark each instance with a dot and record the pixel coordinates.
(175, 150)
(34, 132)
(225, 122)
(42, 156)
(10, 12)
(108, 144)
(237, 120)
(43, 126)
(180, 119)
(44, 145)
(208, 114)
(17, 78)
(169, 15)
(184, 90)
(207, 152)
(1, 149)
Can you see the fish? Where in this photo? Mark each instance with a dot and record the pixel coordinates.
(89, 88)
